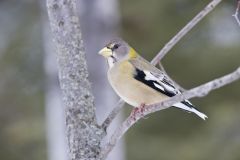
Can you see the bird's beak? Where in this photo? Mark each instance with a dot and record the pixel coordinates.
(106, 52)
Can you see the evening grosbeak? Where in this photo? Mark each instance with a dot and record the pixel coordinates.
(137, 81)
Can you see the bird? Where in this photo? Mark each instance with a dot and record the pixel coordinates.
(137, 81)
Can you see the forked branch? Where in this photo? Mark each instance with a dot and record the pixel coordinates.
(236, 14)
(113, 114)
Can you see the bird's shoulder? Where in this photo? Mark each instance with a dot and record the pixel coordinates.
(151, 76)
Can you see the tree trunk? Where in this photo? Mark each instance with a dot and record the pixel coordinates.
(83, 133)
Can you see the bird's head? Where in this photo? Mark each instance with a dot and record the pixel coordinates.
(117, 50)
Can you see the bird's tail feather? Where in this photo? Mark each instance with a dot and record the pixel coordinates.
(187, 106)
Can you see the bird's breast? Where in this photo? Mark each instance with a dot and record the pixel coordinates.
(121, 78)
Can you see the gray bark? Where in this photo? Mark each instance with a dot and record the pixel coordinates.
(83, 133)
(54, 112)
(54, 108)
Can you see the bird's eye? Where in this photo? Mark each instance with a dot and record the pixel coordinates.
(115, 46)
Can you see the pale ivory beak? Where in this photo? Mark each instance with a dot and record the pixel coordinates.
(106, 52)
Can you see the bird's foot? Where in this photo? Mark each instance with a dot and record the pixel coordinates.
(136, 110)
(142, 108)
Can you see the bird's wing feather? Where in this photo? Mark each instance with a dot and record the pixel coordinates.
(156, 82)
(153, 77)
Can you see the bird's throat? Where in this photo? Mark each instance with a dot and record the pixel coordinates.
(111, 61)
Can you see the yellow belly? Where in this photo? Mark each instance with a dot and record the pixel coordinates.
(129, 89)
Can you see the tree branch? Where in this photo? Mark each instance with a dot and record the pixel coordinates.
(199, 91)
(113, 114)
(237, 13)
(185, 30)
(164, 51)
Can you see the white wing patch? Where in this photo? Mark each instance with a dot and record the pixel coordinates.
(160, 78)
(150, 76)
(169, 88)
(158, 86)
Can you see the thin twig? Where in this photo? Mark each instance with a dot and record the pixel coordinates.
(165, 50)
(113, 114)
(185, 30)
(237, 13)
(199, 91)
(175, 83)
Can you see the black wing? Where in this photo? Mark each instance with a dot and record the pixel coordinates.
(156, 81)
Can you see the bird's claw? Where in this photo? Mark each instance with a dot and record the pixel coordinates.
(136, 110)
